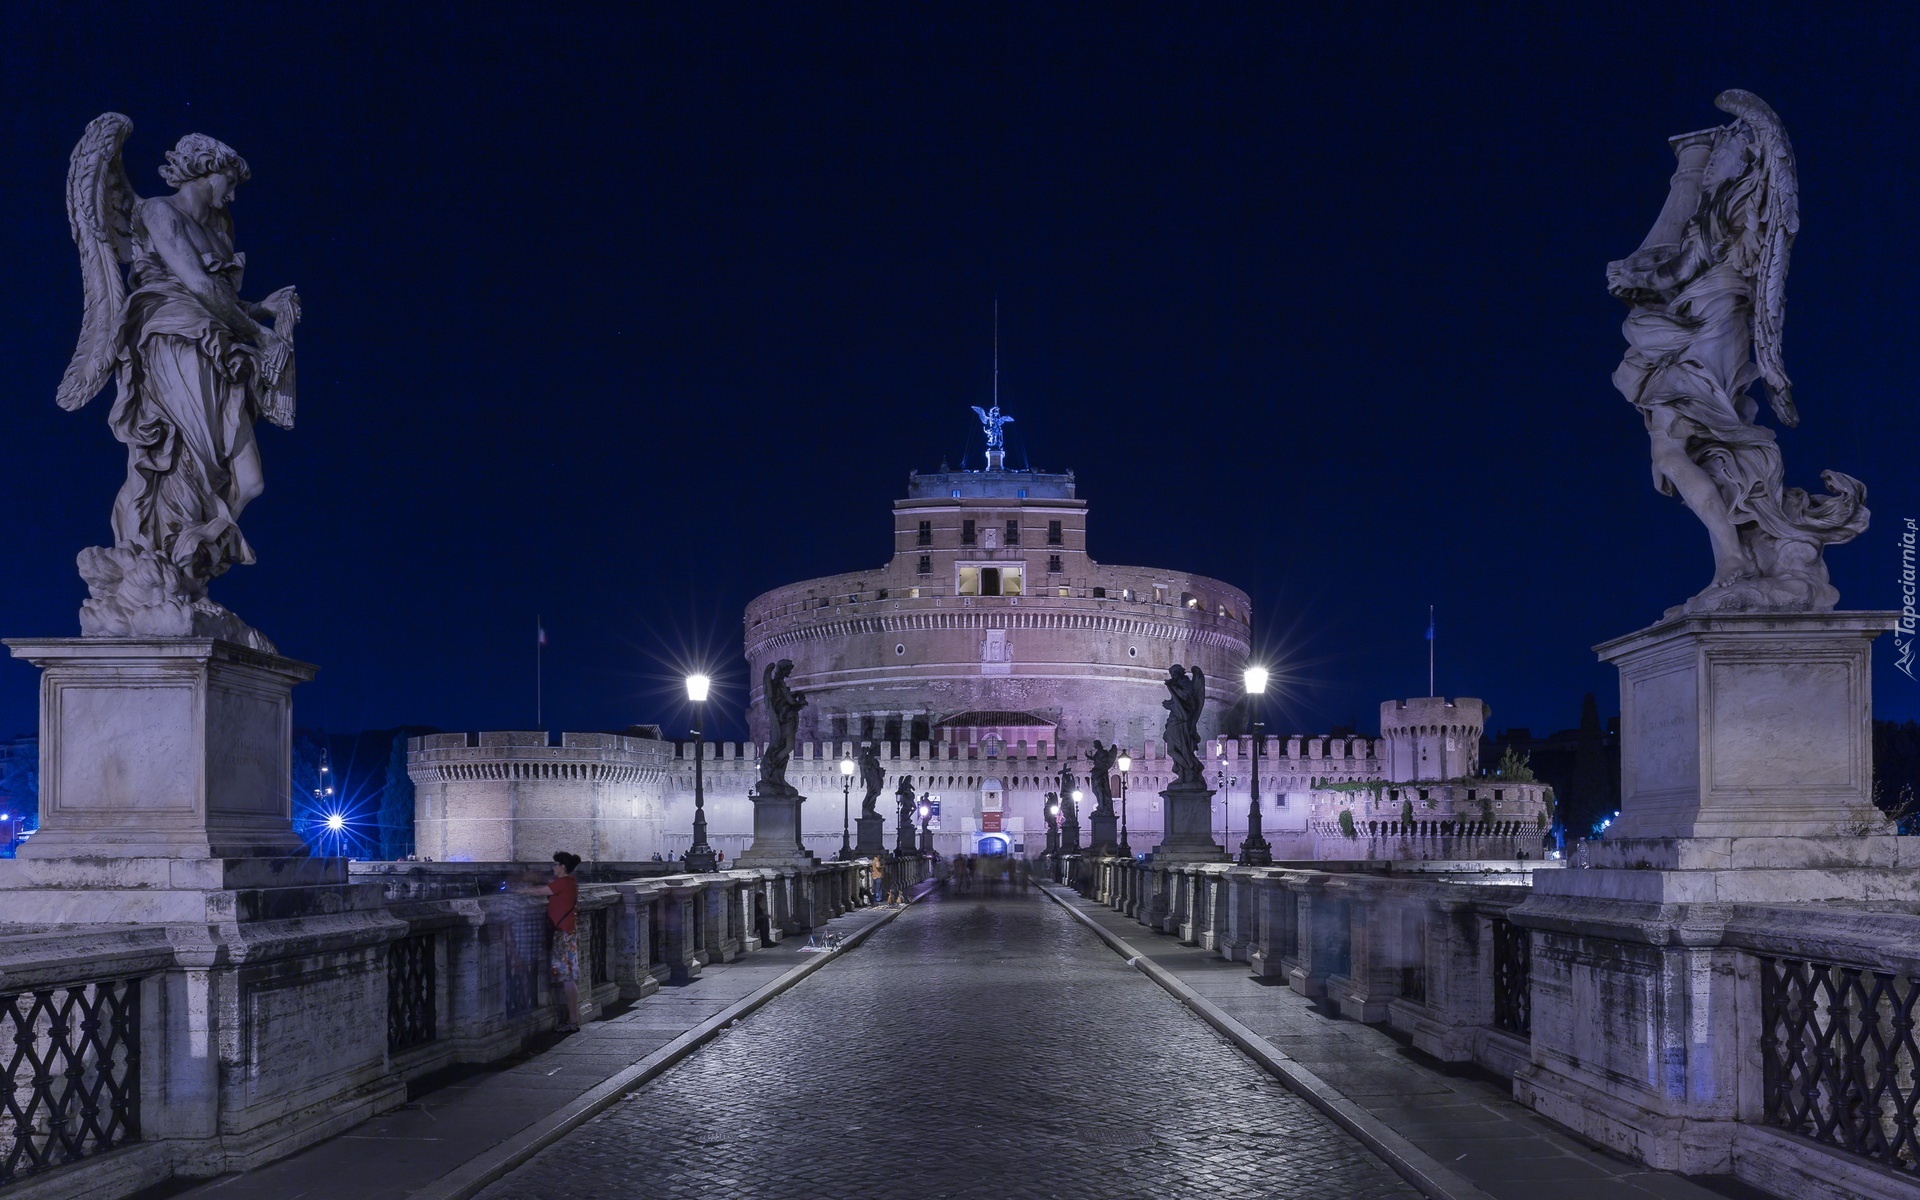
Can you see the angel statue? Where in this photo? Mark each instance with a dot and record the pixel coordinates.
(783, 706)
(1100, 777)
(992, 421)
(873, 777)
(194, 366)
(1707, 294)
(1182, 732)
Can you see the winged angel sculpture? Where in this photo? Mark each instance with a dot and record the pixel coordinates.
(195, 366)
(1707, 291)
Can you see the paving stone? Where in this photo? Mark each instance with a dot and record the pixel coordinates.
(979, 1046)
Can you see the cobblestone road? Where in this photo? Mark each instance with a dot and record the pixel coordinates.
(979, 1046)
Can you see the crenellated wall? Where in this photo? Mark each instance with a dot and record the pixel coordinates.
(521, 796)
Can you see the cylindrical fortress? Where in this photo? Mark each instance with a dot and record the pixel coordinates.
(991, 621)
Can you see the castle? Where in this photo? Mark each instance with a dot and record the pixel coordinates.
(984, 658)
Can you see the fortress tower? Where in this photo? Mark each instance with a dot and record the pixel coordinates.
(990, 623)
(1432, 738)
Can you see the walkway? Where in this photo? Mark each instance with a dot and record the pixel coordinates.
(979, 1046)
(1467, 1119)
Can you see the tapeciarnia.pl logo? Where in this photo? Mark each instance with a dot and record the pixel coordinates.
(1903, 639)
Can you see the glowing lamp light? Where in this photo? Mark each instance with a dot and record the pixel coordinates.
(1256, 681)
(1077, 794)
(846, 767)
(1126, 763)
(697, 687)
(336, 822)
(925, 812)
(1053, 810)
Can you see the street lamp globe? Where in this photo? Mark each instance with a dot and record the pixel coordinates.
(1077, 794)
(847, 767)
(1126, 763)
(1256, 680)
(1053, 810)
(697, 688)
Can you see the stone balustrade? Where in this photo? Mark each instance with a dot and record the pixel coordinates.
(129, 1047)
(1783, 1034)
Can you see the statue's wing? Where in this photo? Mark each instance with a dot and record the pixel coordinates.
(1199, 689)
(983, 414)
(1776, 220)
(100, 213)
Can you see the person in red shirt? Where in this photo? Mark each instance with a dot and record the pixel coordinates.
(563, 902)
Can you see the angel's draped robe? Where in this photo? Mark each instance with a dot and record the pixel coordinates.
(185, 411)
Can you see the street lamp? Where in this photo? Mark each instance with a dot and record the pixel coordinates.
(1126, 764)
(846, 791)
(926, 824)
(700, 856)
(1254, 850)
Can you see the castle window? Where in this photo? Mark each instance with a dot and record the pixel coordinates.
(1013, 533)
(926, 564)
(1159, 594)
(1099, 593)
(1066, 592)
(966, 533)
(913, 593)
(926, 533)
(881, 594)
(1053, 533)
(1022, 493)
(1053, 564)
(1189, 600)
(990, 581)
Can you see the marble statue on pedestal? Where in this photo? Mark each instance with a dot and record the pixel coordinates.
(1100, 777)
(1707, 293)
(783, 705)
(873, 777)
(195, 366)
(1182, 732)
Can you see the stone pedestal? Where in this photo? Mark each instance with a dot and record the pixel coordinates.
(1747, 726)
(176, 747)
(1746, 775)
(1104, 831)
(776, 832)
(1189, 827)
(872, 840)
(165, 788)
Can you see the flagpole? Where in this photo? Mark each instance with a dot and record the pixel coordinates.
(539, 646)
(1430, 691)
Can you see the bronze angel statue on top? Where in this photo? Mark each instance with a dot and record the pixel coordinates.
(1707, 291)
(194, 366)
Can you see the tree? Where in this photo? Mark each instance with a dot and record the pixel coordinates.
(396, 803)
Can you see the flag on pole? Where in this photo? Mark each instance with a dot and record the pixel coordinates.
(1429, 623)
(540, 633)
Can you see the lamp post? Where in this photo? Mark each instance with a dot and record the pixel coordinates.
(1254, 850)
(926, 825)
(846, 793)
(700, 856)
(1126, 765)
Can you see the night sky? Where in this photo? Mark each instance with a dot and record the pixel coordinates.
(622, 319)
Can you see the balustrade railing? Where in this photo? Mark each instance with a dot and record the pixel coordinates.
(600, 942)
(1512, 978)
(1839, 1058)
(71, 1087)
(412, 993)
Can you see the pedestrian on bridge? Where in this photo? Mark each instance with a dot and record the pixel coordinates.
(563, 960)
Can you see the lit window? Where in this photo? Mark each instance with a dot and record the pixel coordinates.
(1065, 592)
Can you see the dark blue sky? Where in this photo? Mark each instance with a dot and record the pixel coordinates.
(623, 319)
